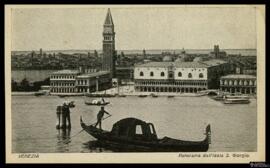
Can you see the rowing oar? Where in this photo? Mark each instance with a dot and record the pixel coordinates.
(103, 118)
(83, 129)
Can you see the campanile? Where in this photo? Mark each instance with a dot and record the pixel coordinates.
(108, 60)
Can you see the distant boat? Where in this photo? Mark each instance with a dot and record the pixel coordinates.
(99, 95)
(218, 97)
(39, 93)
(142, 96)
(170, 96)
(122, 95)
(236, 101)
(154, 95)
(237, 97)
(96, 103)
(61, 96)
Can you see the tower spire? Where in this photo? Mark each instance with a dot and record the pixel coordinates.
(108, 20)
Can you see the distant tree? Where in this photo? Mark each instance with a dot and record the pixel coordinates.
(24, 85)
(13, 85)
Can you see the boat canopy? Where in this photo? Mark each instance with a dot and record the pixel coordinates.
(134, 129)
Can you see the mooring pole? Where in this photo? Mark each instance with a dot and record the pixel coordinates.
(68, 118)
(63, 118)
(58, 113)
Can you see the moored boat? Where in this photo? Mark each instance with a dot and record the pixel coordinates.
(134, 135)
(142, 96)
(218, 97)
(97, 102)
(121, 95)
(237, 97)
(39, 93)
(99, 95)
(153, 95)
(170, 96)
(236, 101)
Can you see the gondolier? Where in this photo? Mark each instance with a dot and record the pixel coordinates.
(100, 116)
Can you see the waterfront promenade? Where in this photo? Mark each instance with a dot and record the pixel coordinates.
(125, 90)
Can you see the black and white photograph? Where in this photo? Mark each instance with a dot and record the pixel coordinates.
(100, 81)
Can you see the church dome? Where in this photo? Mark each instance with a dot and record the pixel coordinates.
(167, 58)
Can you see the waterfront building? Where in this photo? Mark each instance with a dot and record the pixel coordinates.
(179, 76)
(124, 74)
(109, 53)
(239, 83)
(76, 81)
(63, 81)
(91, 82)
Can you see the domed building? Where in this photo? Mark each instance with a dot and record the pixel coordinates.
(167, 58)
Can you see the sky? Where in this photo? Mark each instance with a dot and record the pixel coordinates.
(140, 27)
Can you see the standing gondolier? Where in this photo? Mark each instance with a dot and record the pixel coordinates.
(100, 116)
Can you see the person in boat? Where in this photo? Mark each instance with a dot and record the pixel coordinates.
(100, 116)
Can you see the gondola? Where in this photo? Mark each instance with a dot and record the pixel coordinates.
(97, 104)
(124, 138)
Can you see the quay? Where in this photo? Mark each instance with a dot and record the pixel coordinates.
(127, 91)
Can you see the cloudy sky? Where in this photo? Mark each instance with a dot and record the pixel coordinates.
(152, 27)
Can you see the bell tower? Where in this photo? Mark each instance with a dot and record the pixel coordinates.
(108, 60)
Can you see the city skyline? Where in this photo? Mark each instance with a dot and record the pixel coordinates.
(229, 27)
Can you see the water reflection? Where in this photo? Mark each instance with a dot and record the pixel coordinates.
(63, 140)
(95, 146)
(178, 117)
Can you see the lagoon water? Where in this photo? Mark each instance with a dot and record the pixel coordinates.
(234, 127)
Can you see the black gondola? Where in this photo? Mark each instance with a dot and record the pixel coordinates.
(125, 137)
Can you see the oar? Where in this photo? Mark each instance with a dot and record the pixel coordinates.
(83, 129)
(103, 118)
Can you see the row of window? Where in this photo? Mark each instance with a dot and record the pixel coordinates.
(63, 90)
(107, 38)
(82, 82)
(61, 84)
(62, 77)
(179, 74)
(181, 83)
(240, 82)
(170, 89)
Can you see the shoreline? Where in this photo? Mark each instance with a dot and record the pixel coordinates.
(137, 94)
